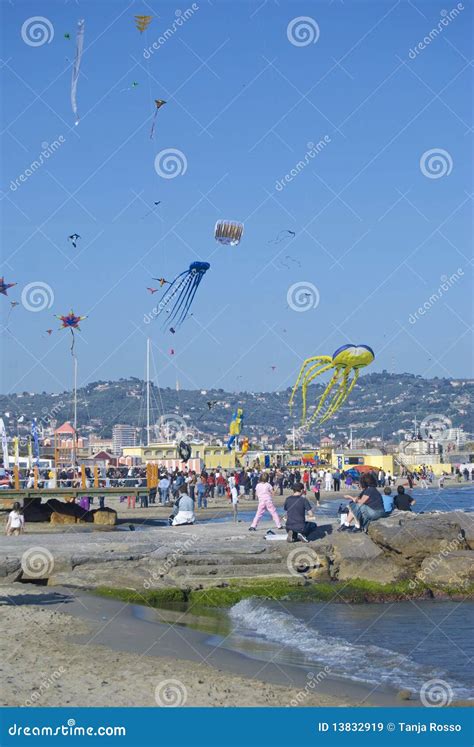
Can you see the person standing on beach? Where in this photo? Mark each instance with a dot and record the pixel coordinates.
(234, 495)
(202, 492)
(264, 493)
(16, 521)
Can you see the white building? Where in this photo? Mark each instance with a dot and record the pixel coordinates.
(122, 437)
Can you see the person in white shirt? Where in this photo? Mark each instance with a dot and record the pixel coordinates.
(16, 521)
(235, 501)
(327, 481)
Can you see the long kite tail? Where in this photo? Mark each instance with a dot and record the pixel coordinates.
(73, 342)
(344, 395)
(338, 397)
(325, 394)
(174, 288)
(76, 68)
(185, 296)
(303, 371)
(153, 122)
(312, 372)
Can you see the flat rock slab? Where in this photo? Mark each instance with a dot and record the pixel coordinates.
(453, 569)
(415, 536)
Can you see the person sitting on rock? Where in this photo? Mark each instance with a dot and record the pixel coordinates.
(388, 500)
(403, 501)
(367, 507)
(298, 509)
(184, 508)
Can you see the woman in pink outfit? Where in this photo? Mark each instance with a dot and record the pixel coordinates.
(264, 493)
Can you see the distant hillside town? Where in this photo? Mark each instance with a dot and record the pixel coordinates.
(403, 414)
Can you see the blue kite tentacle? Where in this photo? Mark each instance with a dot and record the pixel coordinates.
(190, 298)
(180, 294)
(172, 291)
(184, 295)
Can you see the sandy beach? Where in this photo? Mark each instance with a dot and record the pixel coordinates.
(43, 666)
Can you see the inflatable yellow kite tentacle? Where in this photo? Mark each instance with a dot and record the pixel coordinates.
(313, 371)
(339, 397)
(346, 393)
(320, 358)
(337, 373)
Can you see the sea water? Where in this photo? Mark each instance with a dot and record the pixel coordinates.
(431, 499)
(400, 645)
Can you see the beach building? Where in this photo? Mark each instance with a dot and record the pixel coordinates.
(123, 436)
(362, 457)
(68, 447)
(159, 453)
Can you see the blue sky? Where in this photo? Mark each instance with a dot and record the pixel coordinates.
(374, 233)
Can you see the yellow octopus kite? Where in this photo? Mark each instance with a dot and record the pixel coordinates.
(344, 360)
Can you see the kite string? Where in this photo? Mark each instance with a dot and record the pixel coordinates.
(76, 68)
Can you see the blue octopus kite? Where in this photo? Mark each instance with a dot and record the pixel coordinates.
(181, 291)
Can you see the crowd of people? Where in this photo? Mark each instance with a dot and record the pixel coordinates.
(370, 497)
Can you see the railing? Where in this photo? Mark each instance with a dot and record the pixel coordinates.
(8, 497)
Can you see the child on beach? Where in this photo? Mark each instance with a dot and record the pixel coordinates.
(16, 521)
(317, 492)
(264, 493)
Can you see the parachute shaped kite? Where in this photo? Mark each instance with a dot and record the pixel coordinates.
(5, 286)
(71, 321)
(142, 22)
(228, 232)
(158, 103)
(76, 68)
(235, 427)
(180, 294)
(345, 359)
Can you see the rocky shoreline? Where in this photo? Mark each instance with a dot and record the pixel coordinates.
(403, 556)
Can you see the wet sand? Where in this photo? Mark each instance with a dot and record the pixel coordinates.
(59, 648)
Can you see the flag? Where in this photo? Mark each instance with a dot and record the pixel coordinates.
(16, 450)
(3, 437)
(34, 433)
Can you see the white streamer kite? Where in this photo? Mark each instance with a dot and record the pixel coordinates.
(76, 66)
